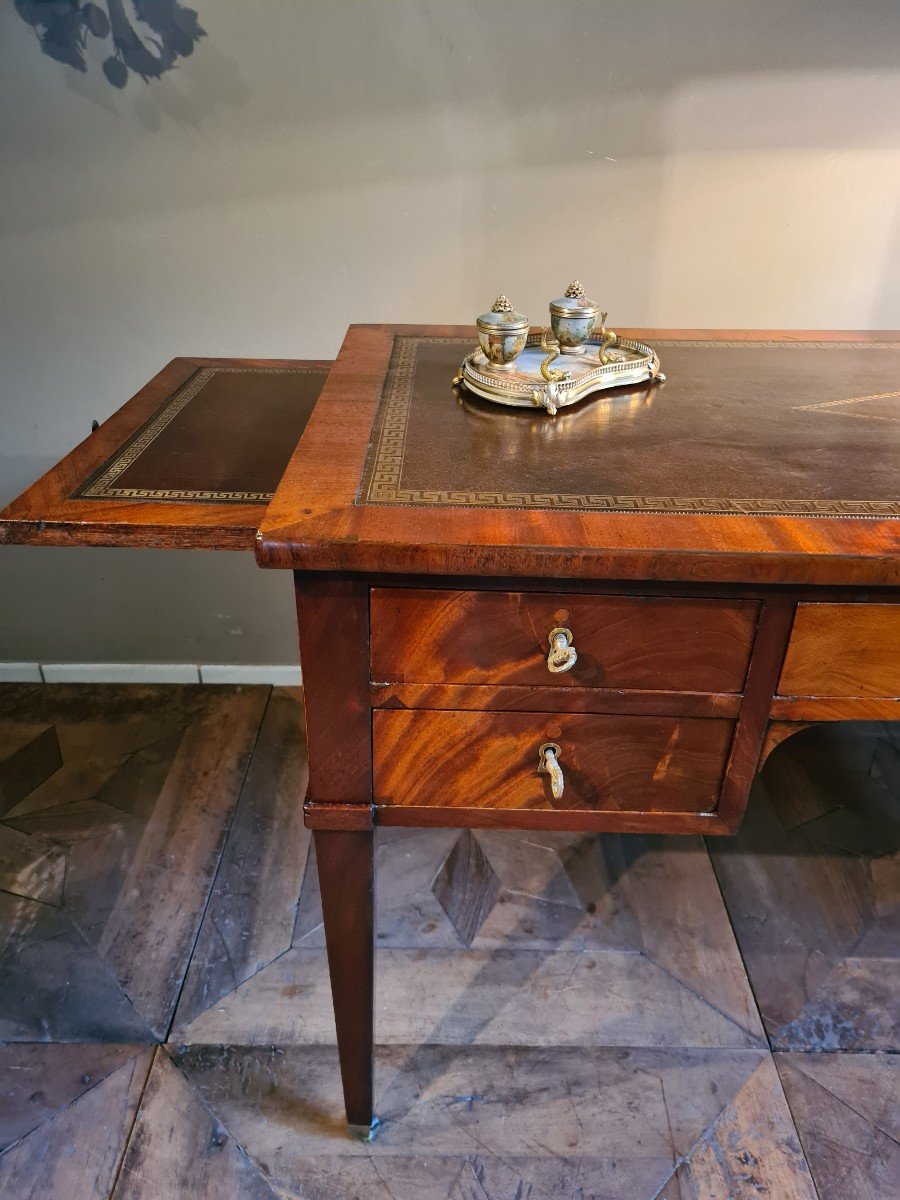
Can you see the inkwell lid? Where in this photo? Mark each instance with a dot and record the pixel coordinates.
(574, 303)
(502, 317)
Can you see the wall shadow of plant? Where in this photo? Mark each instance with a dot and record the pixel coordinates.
(144, 37)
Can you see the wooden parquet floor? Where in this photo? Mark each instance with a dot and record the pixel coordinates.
(595, 1018)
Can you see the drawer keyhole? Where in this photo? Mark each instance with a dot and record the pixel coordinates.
(562, 654)
(549, 763)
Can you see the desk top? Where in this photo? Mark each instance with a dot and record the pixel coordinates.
(191, 461)
(765, 457)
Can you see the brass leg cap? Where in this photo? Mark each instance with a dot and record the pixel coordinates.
(365, 1133)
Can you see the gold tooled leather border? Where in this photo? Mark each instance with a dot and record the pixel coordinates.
(381, 481)
(101, 484)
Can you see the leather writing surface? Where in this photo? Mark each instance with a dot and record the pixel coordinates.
(225, 435)
(802, 428)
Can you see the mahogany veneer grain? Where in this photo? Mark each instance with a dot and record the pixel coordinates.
(846, 650)
(490, 760)
(475, 637)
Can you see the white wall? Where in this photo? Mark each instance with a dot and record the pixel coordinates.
(313, 163)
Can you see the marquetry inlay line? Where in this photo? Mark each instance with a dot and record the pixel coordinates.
(100, 487)
(833, 405)
(382, 477)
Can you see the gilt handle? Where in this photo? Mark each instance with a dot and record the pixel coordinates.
(549, 764)
(562, 656)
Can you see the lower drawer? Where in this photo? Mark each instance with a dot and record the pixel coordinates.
(493, 760)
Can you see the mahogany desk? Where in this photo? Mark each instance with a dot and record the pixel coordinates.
(721, 551)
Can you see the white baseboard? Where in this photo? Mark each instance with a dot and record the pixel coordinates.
(120, 672)
(20, 672)
(274, 674)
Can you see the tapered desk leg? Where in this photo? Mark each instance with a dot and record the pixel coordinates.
(346, 864)
(333, 624)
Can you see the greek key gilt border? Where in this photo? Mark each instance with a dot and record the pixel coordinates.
(100, 485)
(381, 481)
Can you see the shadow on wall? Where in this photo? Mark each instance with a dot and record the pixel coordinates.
(146, 37)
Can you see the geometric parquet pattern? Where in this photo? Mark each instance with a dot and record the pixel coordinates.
(558, 1015)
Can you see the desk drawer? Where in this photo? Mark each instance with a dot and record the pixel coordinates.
(654, 643)
(843, 650)
(491, 760)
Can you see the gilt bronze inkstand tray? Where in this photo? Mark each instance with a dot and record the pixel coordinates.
(512, 365)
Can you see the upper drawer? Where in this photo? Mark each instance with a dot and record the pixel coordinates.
(843, 650)
(658, 644)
